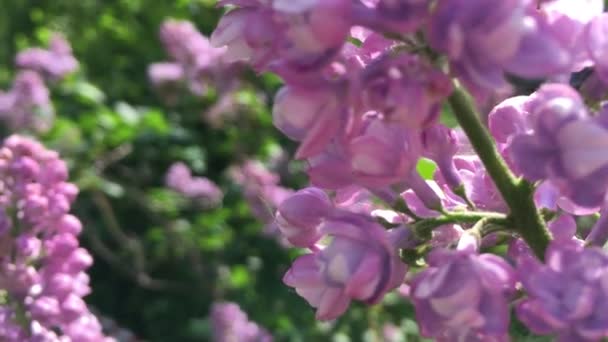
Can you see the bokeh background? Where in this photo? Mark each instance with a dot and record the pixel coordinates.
(164, 257)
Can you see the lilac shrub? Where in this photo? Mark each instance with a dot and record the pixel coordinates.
(369, 89)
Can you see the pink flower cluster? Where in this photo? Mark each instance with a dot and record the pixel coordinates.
(42, 266)
(194, 60)
(262, 191)
(231, 324)
(199, 189)
(198, 66)
(53, 63)
(27, 104)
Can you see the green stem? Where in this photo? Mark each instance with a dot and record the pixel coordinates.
(424, 227)
(401, 206)
(516, 193)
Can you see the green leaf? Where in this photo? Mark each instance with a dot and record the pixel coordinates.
(426, 168)
(88, 92)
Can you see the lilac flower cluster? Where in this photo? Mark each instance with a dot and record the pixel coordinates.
(42, 266)
(231, 324)
(196, 64)
(53, 63)
(199, 189)
(365, 85)
(27, 104)
(193, 59)
(262, 191)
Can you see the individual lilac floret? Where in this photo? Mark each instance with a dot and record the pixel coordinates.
(508, 118)
(42, 267)
(571, 18)
(27, 104)
(311, 116)
(180, 179)
(302, 34)
(463, 296)
(568, 294)
(566, 146)
(54, 63)
(300, 215)
(479, 186)
(404, 89)
(229, 323)
(359, 263)
(483, 39)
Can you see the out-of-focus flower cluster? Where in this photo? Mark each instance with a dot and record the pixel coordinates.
(27, 105)
(231, 324)
(42, 266)
(197, 65)
(365, 85)
(199, 189)
(262, 191)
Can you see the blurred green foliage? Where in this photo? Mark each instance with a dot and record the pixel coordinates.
(160, 261)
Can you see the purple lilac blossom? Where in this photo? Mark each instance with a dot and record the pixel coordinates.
(230, 324)
(359, 263)
(483, 39)
(376, 155)
(568, 294)
(54, 63)
(365, 113)
(42, 268)
(193, 60)
(299, 216)
(565, 146)
(165, 73)
(179, 178)
(301, 34)
(27, 104)
(463, 296)
(312, 116)
(404, 89)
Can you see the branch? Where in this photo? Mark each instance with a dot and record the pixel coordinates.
(516, 193)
